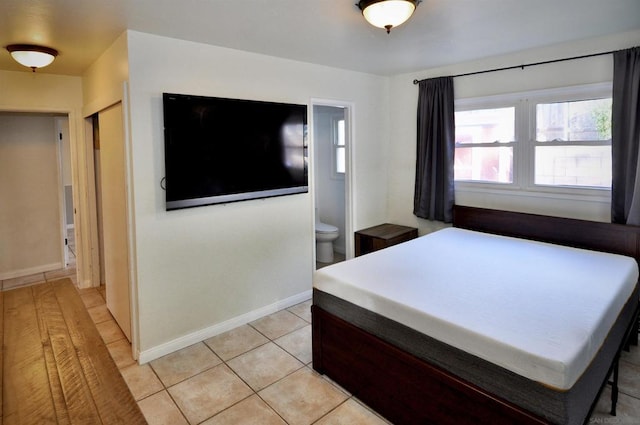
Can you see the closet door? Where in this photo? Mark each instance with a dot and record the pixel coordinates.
(114, 215)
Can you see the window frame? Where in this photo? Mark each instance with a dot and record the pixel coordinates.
(493, 103)
(525, 143)
(335, 147)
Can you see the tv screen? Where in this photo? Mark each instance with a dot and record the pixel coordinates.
(220, 150)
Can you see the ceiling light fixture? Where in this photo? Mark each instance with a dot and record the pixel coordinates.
(32, 56)
(387, 13)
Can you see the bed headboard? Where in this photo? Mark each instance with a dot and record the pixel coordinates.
(607, 237)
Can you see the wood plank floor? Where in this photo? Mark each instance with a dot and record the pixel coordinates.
(55, 367)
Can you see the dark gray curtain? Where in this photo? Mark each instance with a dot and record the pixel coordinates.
(433, 197)
(625, 137)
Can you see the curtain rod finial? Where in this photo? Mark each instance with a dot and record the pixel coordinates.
(415, 81)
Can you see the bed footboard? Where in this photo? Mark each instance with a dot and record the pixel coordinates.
(399, 386)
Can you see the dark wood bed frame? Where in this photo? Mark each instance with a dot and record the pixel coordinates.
(408, 390)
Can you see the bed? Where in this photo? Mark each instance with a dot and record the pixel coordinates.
(423, 335)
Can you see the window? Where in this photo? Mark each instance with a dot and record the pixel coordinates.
(573, 143)
(484, 145)
(549, 140)
(339, 146)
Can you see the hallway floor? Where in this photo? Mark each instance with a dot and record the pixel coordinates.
(55, 366)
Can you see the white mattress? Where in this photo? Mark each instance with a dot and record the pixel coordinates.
(539, 310)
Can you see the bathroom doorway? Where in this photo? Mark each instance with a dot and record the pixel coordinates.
(332, 153)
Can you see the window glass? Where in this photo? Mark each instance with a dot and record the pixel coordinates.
(485, 164)
(485, 126)
(480, 152)
(574, 121)
(339, 146)
(340, 162)
(340, 134)
(586, 166)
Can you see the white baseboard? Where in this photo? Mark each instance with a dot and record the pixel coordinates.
(153, 353)
(31, 270)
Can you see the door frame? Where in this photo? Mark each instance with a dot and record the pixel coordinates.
(61, 165)
(349, 181)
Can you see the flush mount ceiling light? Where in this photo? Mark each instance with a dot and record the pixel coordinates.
(32, 56)
(387, 13)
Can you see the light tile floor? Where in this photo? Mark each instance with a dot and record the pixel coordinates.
(259, 373)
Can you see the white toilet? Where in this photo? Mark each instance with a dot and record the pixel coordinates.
(325, 235)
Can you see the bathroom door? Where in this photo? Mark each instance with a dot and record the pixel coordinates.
(114, 215)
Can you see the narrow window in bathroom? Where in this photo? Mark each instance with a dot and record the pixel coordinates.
(339, 147)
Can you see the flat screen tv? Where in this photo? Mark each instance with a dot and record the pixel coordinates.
(220, 150)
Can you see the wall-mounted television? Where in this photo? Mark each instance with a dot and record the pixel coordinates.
(220, 150)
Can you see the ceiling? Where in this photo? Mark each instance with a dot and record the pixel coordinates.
(327, 32)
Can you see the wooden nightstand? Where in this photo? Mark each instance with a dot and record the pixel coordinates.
(382, 236)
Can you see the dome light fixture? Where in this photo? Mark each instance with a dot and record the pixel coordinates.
(32, 56)
(387, 13)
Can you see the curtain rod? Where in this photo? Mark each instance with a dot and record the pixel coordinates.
(527, 64)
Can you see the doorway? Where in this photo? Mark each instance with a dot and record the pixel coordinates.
(32, 179)
(332, 165)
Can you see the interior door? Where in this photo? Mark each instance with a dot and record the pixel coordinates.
(114, 215)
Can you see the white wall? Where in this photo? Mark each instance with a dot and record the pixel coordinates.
(202, 270)
(102, 82)
(404, 100)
